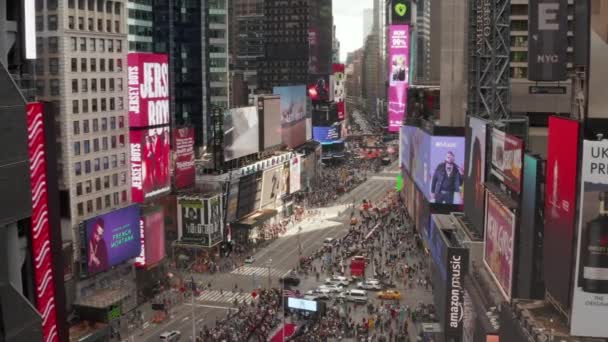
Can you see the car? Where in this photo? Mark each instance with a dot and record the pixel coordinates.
(170, 336)
(357, 296)
(370, 284)
(250, 259)
(322, 294)
(290, 280)
(331, 288)
(389, 294)
(338, 280)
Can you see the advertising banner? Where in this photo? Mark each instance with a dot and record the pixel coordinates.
(589, 301)
(183, 143)
(293, 114)
(318, 88)
(401, 12)
(190, 220)
(560, 207)
(41, 230)
(233, 202)
(475, 175)
(326, 135)
(446, 170)
(409, 189)
(548, 28)
(241, 132)
(248, 192)
(598, 53)
(339, 96)
(499, 243)
(457, 262)
(152, 237)
(150, 150)
(269, 108)
(148, 86)
(271, 182)
(295, 168)
(507, 154)
(216, 220)
(112, 238)
(399, 51)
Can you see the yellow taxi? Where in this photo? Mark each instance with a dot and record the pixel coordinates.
(389, 294)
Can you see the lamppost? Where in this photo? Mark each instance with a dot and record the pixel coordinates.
(269, 263)
(299, 245)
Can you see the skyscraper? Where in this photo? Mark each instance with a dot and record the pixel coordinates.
(140, 23)
(368, 22)
(247, 35)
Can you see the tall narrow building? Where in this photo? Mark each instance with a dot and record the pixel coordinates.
(140, 23)
(247, 35)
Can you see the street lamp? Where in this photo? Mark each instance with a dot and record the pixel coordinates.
(299, 245)
(269, 263)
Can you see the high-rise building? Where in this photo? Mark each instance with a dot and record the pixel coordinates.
(370, 81)
(422, 52)
(335, 52)
(368, 22)
(217, 50)
(140, 23)
(82, 74)
(247, 38)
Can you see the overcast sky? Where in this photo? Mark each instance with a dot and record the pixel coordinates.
(348, 18)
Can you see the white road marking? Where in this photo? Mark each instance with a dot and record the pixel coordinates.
(211, 306)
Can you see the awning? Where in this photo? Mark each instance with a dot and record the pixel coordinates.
(256, 219)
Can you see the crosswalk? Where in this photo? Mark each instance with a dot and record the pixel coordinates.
(258, 271)
(223, 296)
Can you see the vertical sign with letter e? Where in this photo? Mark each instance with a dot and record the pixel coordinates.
(547, 40)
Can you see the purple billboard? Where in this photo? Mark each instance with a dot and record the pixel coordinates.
(399, 64)
(112, 238)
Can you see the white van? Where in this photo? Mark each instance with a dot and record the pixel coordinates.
(358, 296)
(170, 336)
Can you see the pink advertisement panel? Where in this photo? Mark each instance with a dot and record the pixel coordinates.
(499, 239)
(399, 64)
(149, 163)
(148, 86)
(184, 157)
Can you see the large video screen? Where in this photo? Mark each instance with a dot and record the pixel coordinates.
(339, 96)
(241, 132)
(507, 159)
(326, 135)
(399, 51)
(302, 304)
(271, 186)
(183, 144)
(152, 237)
(148, 86)
(318, 87)
(150, 151)
(271, 114)
(295, 169)
(499, 243)
(474, 192)
(293, 114)
(112, 238)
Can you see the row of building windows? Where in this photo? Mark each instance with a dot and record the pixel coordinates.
(90, 64)
(91, 25)
(117, 199)
(110, 6)
(95, 45)
(86, 187)
(97, 124)
(114, 104)
(103, 85)
(96, 163)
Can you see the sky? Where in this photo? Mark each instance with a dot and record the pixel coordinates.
(348, 18)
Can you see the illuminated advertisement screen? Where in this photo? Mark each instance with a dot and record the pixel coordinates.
(152, 237)
(293, 114)
(406, 148)
(318, 87)
(560, 207)
(150, 150)
(399, 63)
(295, 168)
(241, 132)
(474, 191)
(183, 143)
(339, 96)
(302, 304)
(271, 186)
(499, 243)
(112, 238)
(507, 158)
(326, 135)
(148, 87)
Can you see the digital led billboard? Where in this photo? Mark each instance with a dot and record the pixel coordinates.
(293, 114)
(339, 96)
(446, 169)
(318, 87)
(406, 148)
(190, 216)
(112, 238)
(148, 88)
(183, 143)
(326, 135)
(399, 64)
(152, 237)
(295, 168)
(241, 132)
(271, 184)
(507, 154)
(150, 150)
(475, 176)
(560, 207)
(499, 240)
(269, 108)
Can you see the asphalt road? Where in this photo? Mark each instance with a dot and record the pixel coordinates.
(283, 254)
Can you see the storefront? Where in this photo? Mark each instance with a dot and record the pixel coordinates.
(250, 230)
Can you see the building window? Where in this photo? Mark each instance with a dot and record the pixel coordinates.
(119, 82)
(110, 65)
(76, 129)
(53, 66)
(81, 23)
(87, 149)
(120, 103)
(78, 189)
(39, 23)
(85, 106)
(115, 195)
(113, 141)
(77, 168)
(39, 45)
(107, 201)
(121, 140)
(106, 181)
(74, 64)
(95, 125)
(113, 122)
(81, 4)
(54, 87)
(94, 105)
(97, 164)
(114, 161)
(83, 64)
(103, 105)
(80, 209)
(39, 5)
(83, 44)
(123, 195)
(109, 7)
(102, 64)
(89, 206)
(90, 24)
(118, 64)
(40, 87)
(115, 179)
(100, 25)
(96, 145)
(116, 26)
(121, 122)
(74, 86)
(111, 86)
(87, 166)
(104, 124)
(94, 84)
(85, 126)
(71, 3)
(116, 8)
(104, 143)
(112, 104)
(102, 86)
(74, 106)
(93, 63)
(98, 203)
(74, 44)
(53, 44)
(52, 22)
(106, 163)
(51, 5)
(123, 159)
(77, 148)
(92, 46)
(85, 85)
(91, 5)
(109, 26)
(119, 46)
(99, 5)
(71, 22)
(88, 187)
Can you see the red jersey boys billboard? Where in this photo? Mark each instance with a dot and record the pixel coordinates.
(41, 235)
(560, 207)
(148, 86)
(149, 162)
(184, 157)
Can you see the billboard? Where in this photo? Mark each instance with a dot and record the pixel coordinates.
(248, 191)
(319, 87)
(152, 239)
(191, 215)
(241, 132)
(148, 88)
(548, 28)
(560, 207)
(499, 242)
(475, 157)
(295, 168)
(293, 114)
(326, 135)
(112, 238)
(507, 154)
(150, 150)
(269, 108)
(183, 142)
(339, 96)
(401, 12)
(589, 300)
(598, 53)
(215, 227)
(457, 265)
(271, 185)
(446, 170)
(406, 148)
(40, 229)
(233, 201)
(399, 51)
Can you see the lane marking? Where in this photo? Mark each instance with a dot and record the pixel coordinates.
(210, 306)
